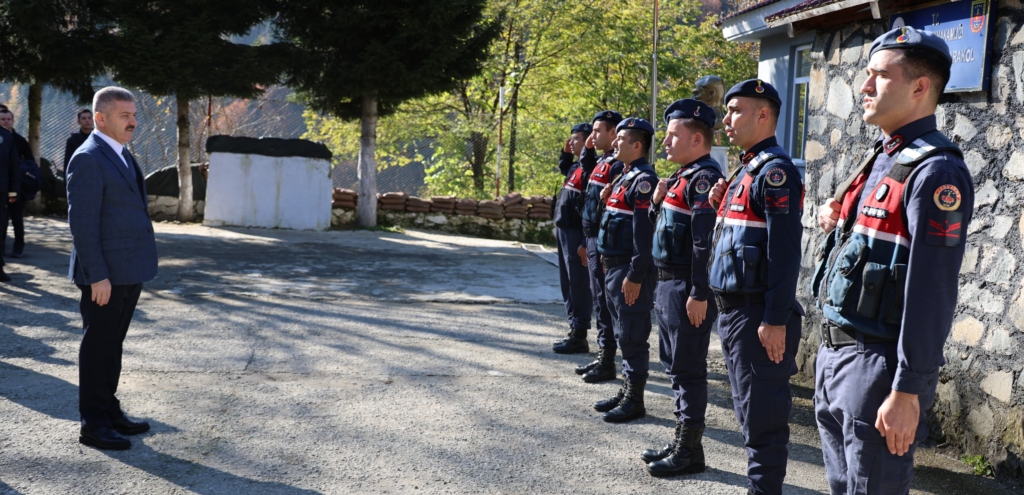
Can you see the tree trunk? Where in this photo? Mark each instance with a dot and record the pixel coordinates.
(512, 142)
(185, 212)
(478, 145)
(35, 117)
(366, 210)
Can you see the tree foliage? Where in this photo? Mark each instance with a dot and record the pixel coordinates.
(560, 62)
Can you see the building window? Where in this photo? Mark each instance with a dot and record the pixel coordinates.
(801, 81)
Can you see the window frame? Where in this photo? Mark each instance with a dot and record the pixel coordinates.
(796, 81)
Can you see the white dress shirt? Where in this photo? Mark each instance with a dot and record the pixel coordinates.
(118, 147)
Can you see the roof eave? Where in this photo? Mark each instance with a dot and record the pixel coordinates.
(823, 10)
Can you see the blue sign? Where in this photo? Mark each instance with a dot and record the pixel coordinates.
(966, 26)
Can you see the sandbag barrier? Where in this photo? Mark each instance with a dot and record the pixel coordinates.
(512, 205)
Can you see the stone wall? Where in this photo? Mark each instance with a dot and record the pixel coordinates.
(980, 403)
(529, 230)
(163, 208)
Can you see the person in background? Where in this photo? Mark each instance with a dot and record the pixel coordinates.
(85, 125)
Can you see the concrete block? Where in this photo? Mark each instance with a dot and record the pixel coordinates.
(998, 384)
(252, 190)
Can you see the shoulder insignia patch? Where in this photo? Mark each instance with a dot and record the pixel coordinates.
(703, 185)
(947, 197)
(776, 201)
(644, 186)
(776, 177)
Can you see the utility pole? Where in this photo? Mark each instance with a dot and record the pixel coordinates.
(501, 122)
(654, 86)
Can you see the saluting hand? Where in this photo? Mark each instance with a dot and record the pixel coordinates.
(606, 192)
(590, 141)
(828, 215)
(660, 191)
(696, 311)
(897, 421)
(568, 146)
(718, 193)
(773, 338)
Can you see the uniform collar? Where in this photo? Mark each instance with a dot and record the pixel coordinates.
(757, 148)
(693, 166)
(907, 134)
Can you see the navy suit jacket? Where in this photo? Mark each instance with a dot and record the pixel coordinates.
(107, 211)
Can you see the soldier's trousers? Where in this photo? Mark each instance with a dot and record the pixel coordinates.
(761, 396)
(574, 279)
(605, 331)
(850, 384)
(684, 349)
(632, 324)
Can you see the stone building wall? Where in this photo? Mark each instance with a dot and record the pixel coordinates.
(980, 401)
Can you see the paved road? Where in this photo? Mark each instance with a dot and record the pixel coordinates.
(286, 362)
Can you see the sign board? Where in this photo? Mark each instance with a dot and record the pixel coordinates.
(966, 25)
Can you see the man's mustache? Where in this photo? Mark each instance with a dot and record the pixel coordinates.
(129, 128)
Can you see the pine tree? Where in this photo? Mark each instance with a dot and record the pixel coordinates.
(181, 48)
(48, 42)
(360, 59)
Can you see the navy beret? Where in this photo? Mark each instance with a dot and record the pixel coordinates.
(688, 108)
(636, 124)
(908, 37)
(754, 88)
(610, 116)
(585, 128)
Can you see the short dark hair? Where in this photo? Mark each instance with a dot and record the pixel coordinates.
(3, 107)
(5, 110)
(80, 112)
(699, 126)
(922, 62)
(642, 136)
(773, 107)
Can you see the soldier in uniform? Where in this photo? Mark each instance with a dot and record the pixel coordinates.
(684, 221)
(886, 281)
(572, 268)
(599, 172)
(755, 261)
(624, 242)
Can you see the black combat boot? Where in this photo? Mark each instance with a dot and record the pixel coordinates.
(631, 406)
(575, 344)
(651, 455)
(686, 458)
(610, 403)
(584, 368)
(604, 371)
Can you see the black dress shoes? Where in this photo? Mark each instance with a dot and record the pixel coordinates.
(103, 438)
(125, 426)
(4, 277)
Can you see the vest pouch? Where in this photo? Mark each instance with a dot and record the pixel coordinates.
(871, 289)
(661, 239)
(621, 232)
(893, 294)
(751, 265)
(724, 274)
(848, 264)
(678, 246)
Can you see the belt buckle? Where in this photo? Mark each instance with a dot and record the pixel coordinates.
(826, 336)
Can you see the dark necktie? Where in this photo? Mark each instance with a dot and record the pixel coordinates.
(128, 160)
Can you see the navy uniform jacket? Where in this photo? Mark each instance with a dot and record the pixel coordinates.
(597, 172)
(757, 241)
(111, 232)
(938, 197)
(10, 178)
(567, 216)
(629, 207)
(687, 199)
(72, 144)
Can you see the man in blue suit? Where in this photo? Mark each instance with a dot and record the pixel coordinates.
(9, 187)
(114, 252)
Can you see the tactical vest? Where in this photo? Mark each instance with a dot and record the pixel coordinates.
(590, 201)
(673, 240)
(615, 237)
(861, 273)
(566, 215)
(739, 256)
